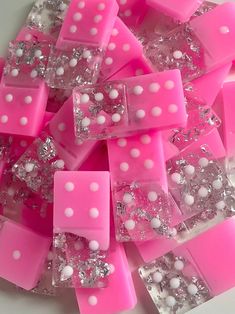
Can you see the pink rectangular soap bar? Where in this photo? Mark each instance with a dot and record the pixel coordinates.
(181, 10)
(82, 205)
(123, 47)
(89, 23)
(22, 254)
(229, 119)
(100, 301)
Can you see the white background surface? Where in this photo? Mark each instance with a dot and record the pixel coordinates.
(12, 16)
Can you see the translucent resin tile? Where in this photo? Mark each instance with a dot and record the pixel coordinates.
(200, 121)
(26, 61)
(70, 68)
(201, 188)
(77, 264)
(174, 283)
(100, 110)
(36, 167)
(47, 16)
(142, 212)
(164, 52)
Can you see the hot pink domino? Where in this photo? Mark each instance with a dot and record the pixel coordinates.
(23, 93)
(132, 12)
(100, 301)
(82, 216)
(22, 254)
(138, 182)
(83, 38)
(120, 108)
(192, 271)
(229, 123)
(181, 10)
(123, 47)
(212, 45)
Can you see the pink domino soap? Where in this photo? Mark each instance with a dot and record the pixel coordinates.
(100, 301)
(192, 274)
(123, 47)
(44, 21)
(139, 188)
(181, 10)
(120, 108)
(23, 93)
(211, 35)
(229, 123)
(132, 12)
(22, 254)
(81, 228)
(81, 43)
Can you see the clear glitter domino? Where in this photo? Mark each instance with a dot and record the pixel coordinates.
(79, 50)
(100, 301)
(81, 228)
(55, 149)
(120, 108)
(142, 208)
(192, 274)
(201, 189)
(228, 115)
(23, 93)
(180, 10)
(123, 47)
(197, 47)
(22, 255)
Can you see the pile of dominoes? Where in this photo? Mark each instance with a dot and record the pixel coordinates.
(117, 125)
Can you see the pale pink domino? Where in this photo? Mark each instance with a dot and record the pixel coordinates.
(81, 205)
(153, 101)
(87, 28)
(22, 255)
(123, 47)
(229, 122)
(100, 301)
(181, 10)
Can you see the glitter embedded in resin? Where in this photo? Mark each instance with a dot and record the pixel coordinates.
(142, 211)
(37, 166)
(174, 283)
(69, 68)
(164, 52)
(76, 265)
(47, 16)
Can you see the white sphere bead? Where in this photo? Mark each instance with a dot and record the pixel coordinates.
(220, 205)
(174, 283)
(192, 289)
(203, 162)
(157, 277)
(176, 177)
(179, 265)
(170, 301)
(203, 192)
(189, 169)
(155, 223)
(188, 199)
